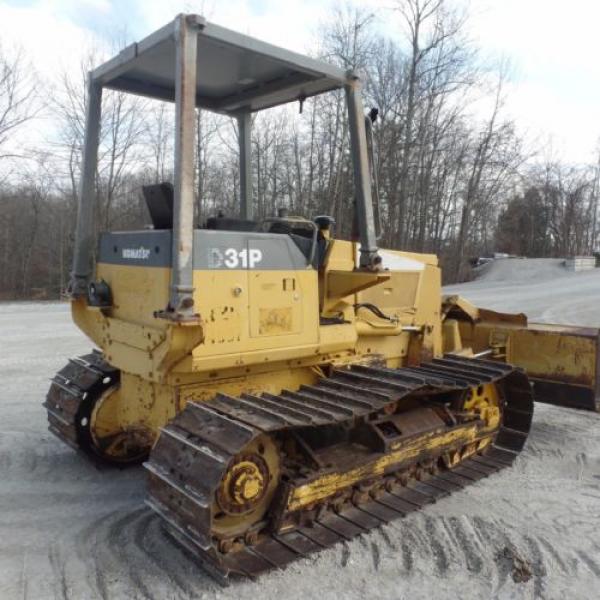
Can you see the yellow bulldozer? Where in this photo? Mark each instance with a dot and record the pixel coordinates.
(286, 389)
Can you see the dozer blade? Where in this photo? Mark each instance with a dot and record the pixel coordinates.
(252, 483)
(562, 361)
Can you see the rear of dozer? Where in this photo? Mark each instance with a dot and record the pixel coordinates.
(562, 361)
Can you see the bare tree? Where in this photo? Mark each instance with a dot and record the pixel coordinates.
(17, 99)
(452, 181)
(122, 132)
(159, 125)
(433, 36)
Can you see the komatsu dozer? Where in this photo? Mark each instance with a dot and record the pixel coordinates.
(286, 389)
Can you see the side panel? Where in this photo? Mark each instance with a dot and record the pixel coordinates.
(136, 266)
(137, 292)
(412, 296)
(277, 304)
(258, 300)
(245, 312)
(257, 296)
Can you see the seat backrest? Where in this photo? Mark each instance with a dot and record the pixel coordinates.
(230, 224)
(159, 200)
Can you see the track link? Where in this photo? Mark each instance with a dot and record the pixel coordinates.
(193, 452)
(71, 396)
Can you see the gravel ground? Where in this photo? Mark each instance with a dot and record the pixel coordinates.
(541, 288)
(70, 530)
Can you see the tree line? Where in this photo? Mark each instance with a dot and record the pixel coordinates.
(455, 176)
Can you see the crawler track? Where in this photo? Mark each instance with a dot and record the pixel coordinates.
(193, 453)
(71, 398)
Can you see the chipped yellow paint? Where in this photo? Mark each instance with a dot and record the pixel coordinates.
(331, 483)
(484, 401)
(134, 407)
(272, 382)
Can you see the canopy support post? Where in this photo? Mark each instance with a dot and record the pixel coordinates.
(181, 306)
(245, 141)
(369, 257)
(84, 232)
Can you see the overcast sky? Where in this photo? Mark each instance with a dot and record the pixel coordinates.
(551, 44)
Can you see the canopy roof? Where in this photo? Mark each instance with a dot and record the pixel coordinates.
(234, 72)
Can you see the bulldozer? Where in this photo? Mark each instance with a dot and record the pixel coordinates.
(285, 389)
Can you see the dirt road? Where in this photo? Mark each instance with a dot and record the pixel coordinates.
(69, 530)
